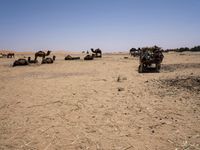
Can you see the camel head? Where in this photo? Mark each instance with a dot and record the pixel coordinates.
(92, 50)
(48, 53)
(54, 58)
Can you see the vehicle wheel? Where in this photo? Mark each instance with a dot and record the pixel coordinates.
(157, 67)
(140, 69)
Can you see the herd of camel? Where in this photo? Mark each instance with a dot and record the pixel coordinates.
(97, 53)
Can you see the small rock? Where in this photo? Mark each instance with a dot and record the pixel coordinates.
(121, 89)
(124, 78)
(118, 79)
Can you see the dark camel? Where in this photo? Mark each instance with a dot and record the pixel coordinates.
(48, 60)
(97, 52)
(32, 61)
(42, 54)
(89, 57)
(20, 62)
(68, 57)
(134, 52)
(10, 55)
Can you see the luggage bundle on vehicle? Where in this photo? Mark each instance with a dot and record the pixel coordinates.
(150, 56)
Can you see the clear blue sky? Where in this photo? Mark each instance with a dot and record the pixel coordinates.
(111, 25)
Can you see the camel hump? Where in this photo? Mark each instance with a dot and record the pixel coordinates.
(98, 49)
(68, 56)
(133, 49)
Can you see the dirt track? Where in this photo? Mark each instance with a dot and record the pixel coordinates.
(101, 104)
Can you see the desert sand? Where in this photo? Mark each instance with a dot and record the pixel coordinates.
(104, 104)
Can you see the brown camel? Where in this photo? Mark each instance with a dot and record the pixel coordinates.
(97, 52)
(10, 55)
(4, 55)
(20, 62)
(42, 54)
(48, 60)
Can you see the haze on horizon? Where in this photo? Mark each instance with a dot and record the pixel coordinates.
(112, 25)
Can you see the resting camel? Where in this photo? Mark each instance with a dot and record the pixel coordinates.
(89, 57)
(32, 61)
(97, 52)
(42, 54)
(20, 62)
(48, 60)
(10, 55)
(134, 52)
(4, 55)
(68, 57)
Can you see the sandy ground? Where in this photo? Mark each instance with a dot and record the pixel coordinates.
(104, 104)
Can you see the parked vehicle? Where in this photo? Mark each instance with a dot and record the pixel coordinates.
(150, 56)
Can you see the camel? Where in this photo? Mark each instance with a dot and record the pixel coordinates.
(4, 55)
(68, 57)
(42, 54)
(89, 57)
(97, 52)
(48, 60)
(10, 55)
(20, 62)
(134, 52)
(32, 61)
